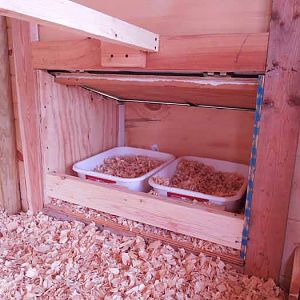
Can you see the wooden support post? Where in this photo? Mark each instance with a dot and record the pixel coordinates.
(9, 183)
(73, 17)
(28, 112)
(277, 144)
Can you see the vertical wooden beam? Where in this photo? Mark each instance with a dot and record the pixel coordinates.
(277, 143)
(9, 183)
(29, 113)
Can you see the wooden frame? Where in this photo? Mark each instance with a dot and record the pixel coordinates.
(73, 17)
(279, 121)
(214, 225)
(244, 53)
(277, 143)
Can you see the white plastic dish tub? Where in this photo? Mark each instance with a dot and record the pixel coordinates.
(231, 203)
(85, 168)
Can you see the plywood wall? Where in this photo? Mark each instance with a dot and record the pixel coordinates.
(220, 134)
(75, 124)
(292, 238)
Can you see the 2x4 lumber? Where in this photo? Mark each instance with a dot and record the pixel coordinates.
(28, 112)
(237, 92)
(171, 214)
(277, 144)
(222, 52)
(69, 214)
(67, 15)
(9, 182)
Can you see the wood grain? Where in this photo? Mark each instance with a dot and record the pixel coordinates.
(28, 112)
(177, 17)
(75, 124)
(236, 92)
(73, 17)
(219, 52)
(77, 54)
(9, 181)
(277, 145)
(219, 134)
(210, 224)
(20, 160)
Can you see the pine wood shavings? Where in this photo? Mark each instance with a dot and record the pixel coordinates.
(130, 166)
(95, 264)
(198, 177)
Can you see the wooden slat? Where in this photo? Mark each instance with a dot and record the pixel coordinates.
(82, 123)
(67, 15)
(228, 52)
(277, 145)
(28, 112)
(69, 214)
(172, 214)
(235, 92)
(9, 181)
(118, 56)
(219, 134)
(178, 17)
(295, 283)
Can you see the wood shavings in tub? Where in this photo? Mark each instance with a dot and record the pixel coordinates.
(198, 177)
(42, 258)
(129, 166)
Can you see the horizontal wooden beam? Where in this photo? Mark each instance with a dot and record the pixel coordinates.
(172, 214)
(73, 17)
(216, 52)
(236, 92)
(64, 213)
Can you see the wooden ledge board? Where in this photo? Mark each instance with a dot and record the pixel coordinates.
(172, 214)
(69, 214)
(73, 17)
(237, 92)
(195, 53)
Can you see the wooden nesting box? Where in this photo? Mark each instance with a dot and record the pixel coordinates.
(213, 78)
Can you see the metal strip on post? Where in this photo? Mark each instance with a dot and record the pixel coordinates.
(252, 168)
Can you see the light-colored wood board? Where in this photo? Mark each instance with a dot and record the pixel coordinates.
(237, 92)
(292, 240)
(9, 181)
(225, 52)
(295, 282)
(113, 55)
(28, 113)
(216, 226)
(177, 17)
(75, 124)
(277, 144)
(73, 17)
(219, 134)
(69, 214)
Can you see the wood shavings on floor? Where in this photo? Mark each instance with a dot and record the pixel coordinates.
(198, 243)
(43, 258)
